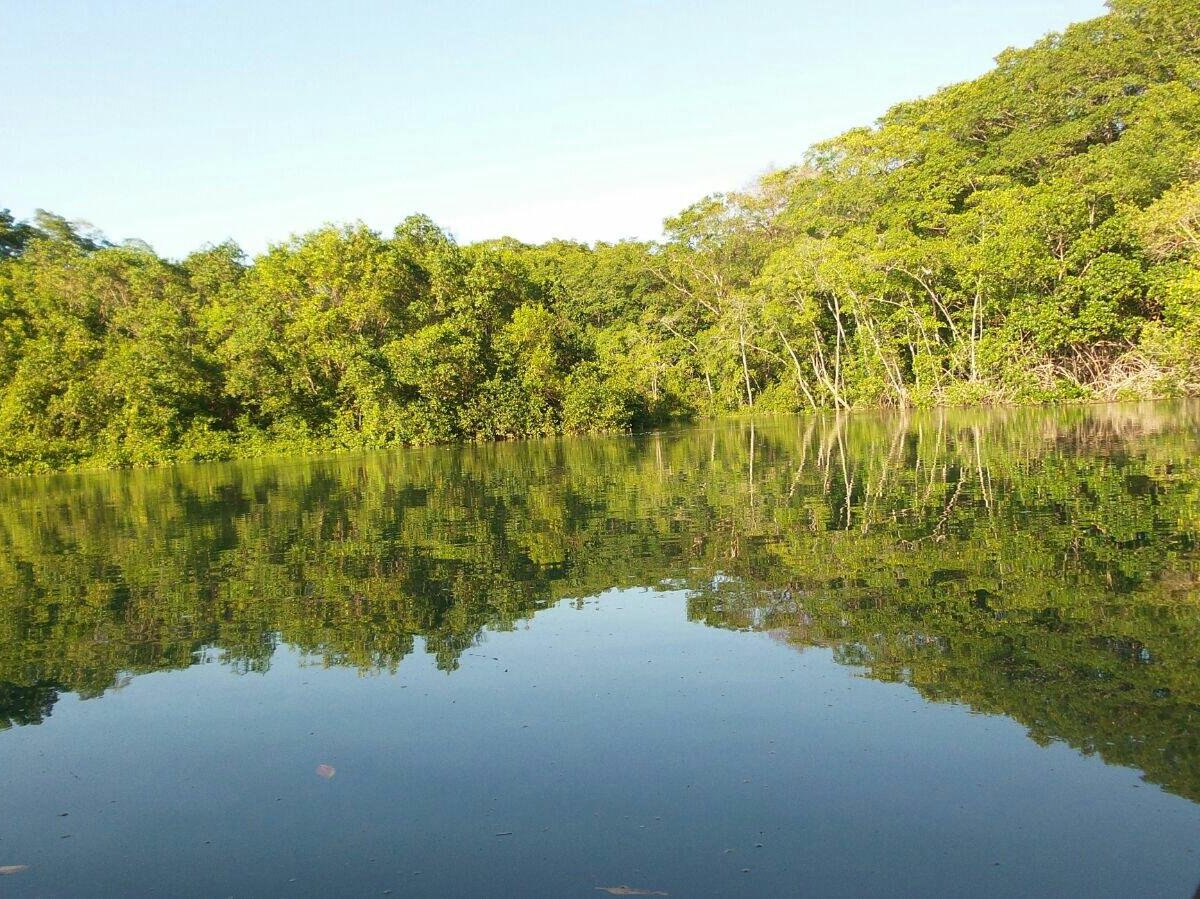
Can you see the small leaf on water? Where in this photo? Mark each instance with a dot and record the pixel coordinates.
(624, 890)
(326, 771)
(13, 869)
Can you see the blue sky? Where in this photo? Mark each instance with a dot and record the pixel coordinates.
(186, 123)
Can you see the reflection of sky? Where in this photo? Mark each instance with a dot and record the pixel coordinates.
(613, 741)
(187, 123)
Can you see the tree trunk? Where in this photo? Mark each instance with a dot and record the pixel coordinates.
(745, 365)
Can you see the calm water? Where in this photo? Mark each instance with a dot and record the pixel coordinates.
(953, 654)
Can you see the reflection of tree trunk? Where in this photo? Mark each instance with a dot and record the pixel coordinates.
(847, 482)
(752, 463)
(805, 442)
(825, 459)
(979, 470)
(939, 441)
(889, 464)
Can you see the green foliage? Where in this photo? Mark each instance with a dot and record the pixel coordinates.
(1040, 564)
(593, 406)
(1028, 236)
(339, 338)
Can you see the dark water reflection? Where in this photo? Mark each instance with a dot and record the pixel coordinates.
(1040, 567)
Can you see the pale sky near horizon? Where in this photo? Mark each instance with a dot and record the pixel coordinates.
(184, 124)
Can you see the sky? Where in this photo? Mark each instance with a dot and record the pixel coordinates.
(183, 124)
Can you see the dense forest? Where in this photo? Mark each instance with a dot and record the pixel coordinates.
(1028, 236)
(1040, 564)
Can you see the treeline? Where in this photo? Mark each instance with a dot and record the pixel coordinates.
(1028, 236)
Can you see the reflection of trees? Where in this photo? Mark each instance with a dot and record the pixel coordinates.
(26, 704)
(1042, 565)
(1116, 677)
(1050, 574)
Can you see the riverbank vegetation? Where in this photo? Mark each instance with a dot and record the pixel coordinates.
(1028, 236)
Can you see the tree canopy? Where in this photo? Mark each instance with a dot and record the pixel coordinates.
(1031, 235)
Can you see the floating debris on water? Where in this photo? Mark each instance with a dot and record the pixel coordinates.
(631, 891)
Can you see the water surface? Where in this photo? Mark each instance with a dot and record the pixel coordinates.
(955, 653)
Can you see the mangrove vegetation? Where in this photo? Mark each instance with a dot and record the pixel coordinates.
(1028, 236)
